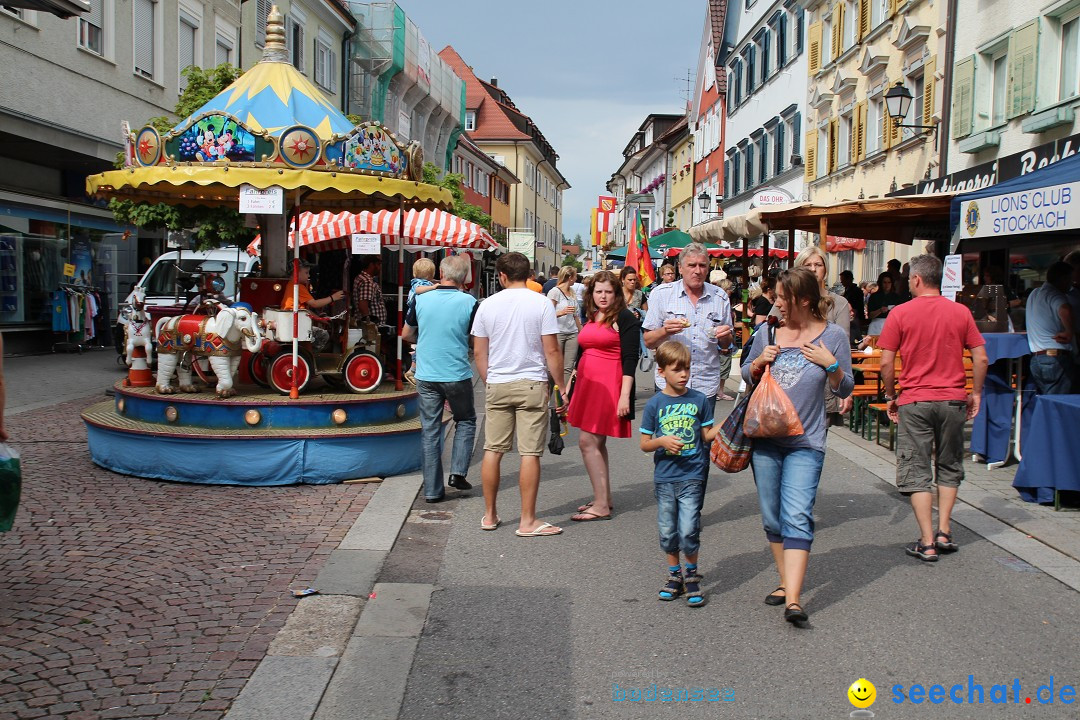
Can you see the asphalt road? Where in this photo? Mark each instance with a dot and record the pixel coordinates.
(557, 627)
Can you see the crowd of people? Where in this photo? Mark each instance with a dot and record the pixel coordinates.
(579, 345)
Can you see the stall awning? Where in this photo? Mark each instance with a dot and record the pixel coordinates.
(1044, 201)
(897, 219)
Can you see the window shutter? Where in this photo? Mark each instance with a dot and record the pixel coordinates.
(766, 42)
(860, 138)
(320, 63)
(262, 11)
(886, 127)
(781, 40)
(814, 39)
(894, 5)
(811, 157)
(928, 91)
(856, 133)
(144, 37)
(800, 23)
(963, 102)
(1023, 45)
(186, 39)
(834, 144)
(763, 161)
(864, 19)
(837, 30)
(778, 152)
(299, 47)
(751, 69)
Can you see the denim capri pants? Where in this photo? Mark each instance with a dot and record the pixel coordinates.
(678, 506)
(787, 481)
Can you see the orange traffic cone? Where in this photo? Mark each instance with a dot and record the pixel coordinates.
(139, 374)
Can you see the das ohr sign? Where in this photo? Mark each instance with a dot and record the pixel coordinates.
(1038, 210)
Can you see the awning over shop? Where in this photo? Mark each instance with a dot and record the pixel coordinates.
(842, 244)
(1043, 201)
(898, 219)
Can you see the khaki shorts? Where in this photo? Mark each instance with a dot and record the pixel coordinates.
(517, 405)
(930, 445)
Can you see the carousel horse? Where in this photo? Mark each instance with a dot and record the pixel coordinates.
(137, 331)
(186, 338)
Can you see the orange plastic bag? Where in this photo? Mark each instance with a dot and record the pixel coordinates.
(770, 412)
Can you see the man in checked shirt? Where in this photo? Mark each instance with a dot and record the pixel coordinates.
(696, 314)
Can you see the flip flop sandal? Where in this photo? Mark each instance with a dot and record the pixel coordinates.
(692, 584)
(673, 588)
(586, 506)
(498, 522)
(589, 516)
(543, 530)
(947, 544)
(923, 552)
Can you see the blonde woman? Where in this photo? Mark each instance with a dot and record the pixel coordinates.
(567, 312)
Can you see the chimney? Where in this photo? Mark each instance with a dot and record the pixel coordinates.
(495, 82)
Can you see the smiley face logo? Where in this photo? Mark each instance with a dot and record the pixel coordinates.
(862, 693)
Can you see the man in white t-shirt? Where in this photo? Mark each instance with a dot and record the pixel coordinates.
(516, 346)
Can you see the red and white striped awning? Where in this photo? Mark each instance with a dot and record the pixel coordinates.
(424, 229)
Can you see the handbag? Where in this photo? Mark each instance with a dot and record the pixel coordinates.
(10, 485)
(730, 450)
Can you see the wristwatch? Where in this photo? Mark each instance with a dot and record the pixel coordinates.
(834, 367)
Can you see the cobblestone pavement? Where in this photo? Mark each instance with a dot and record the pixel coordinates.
(123, 597)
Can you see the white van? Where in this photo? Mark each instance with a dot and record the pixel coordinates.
(228, 263)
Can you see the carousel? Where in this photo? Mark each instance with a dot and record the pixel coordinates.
(320, 406)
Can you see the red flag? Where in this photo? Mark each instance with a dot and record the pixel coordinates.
(633, 256)
(646, 271)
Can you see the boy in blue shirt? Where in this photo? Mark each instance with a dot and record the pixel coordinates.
(677, 426)
(423, 271)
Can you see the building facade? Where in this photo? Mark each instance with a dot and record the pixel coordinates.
(857, 51)
(766, 104)
(642, 184)
(486, 184)
(512, 139)
(91, 73)
(682, 180)
(707, 113)
(396, 78)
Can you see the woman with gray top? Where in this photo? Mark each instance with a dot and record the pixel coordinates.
(566, 312)
(808, 354)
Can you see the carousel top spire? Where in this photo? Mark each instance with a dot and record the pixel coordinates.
(275, 49)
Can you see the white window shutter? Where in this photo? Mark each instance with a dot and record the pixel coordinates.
(144, 37)
(262, 11)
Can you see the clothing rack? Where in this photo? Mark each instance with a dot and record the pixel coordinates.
(67, 345)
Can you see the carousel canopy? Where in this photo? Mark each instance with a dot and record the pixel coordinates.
(272, 127)
(424, 230)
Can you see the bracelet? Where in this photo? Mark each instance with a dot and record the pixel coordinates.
(834, 367)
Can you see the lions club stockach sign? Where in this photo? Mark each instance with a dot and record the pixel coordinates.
(1038, 210)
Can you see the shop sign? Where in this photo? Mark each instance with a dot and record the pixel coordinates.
(1037, 210)
(1000, 170)
(366, 243)
(522, 242)
(69, 270)
(771, 196)
(270, 201)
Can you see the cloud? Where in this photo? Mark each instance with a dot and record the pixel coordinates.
(589, 135)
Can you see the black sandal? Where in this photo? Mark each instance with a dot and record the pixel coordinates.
(947, 545)
(673, 588)
(774, 599)
(794, 616)
(917, 549)
(694, 598)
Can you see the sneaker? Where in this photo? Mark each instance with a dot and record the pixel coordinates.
(459, 482)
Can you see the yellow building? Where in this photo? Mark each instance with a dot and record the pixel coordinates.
(682, 181)
(858, 50)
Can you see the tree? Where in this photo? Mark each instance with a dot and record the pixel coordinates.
(572, 261)
(579, 241)
(452, 182)
(211, 226)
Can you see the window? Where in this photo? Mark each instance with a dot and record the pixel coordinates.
(828, 45)
(528, 173)
(779, 148)
(262, 11)
(91, 33)
(528, 219)
(1070, 37)
(468, 175)
(144, 15)
(823, 148)
(844, 149)
(851, 23)
(999, 70)
(470, 120)
(294, 41)
(763, 159)
(879, 11)
(223, 48)
(187, 43)
(325, 64)
(27, 16)
(873, 125)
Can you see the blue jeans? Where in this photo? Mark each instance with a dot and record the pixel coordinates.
(1052, 375)
(432, 396)
(787, 482)
(678, 507)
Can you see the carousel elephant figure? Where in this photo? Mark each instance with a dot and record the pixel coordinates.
(183, 339)
(137, 330)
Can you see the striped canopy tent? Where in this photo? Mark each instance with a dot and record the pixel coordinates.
(424, 230)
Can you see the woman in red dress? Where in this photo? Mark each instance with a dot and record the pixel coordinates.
(602, 405)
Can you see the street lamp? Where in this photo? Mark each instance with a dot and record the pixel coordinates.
(898, 102)
(704, 201)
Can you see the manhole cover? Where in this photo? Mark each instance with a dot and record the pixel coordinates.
(430, 516)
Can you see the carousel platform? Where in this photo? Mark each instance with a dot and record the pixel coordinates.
(257, 437)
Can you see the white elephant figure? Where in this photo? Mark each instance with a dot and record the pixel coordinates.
(137, 330)
(182, 339)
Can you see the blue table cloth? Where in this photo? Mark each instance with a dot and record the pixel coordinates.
(1051, 451)
(991, 430)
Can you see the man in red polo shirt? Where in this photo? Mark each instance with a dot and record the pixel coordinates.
(930, 332)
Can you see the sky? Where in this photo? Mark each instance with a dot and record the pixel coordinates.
(587, 72)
